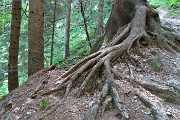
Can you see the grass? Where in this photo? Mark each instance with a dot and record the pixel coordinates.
(155, 63)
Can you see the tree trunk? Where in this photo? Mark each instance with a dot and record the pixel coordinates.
(100, 17)
(67, 30)
(53, 33)
(36, 40)
(14, 45)
(85, 22)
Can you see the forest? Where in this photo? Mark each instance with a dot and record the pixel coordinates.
(85, 46)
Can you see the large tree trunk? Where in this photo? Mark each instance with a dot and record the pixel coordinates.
(36, 39)
(131, 23)
(121, 14)
(14, 45)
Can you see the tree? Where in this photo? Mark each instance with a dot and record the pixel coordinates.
(132, 24)
(53, 33)
(85, 22)
(14, 45)
(67, 29)
(35, 40)
(100, 16)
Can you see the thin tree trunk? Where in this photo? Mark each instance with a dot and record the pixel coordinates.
(14, 45)
(85, 23)
(100, 16)
(67, 29)
(53, 31)
(36, 40)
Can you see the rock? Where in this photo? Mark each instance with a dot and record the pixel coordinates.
(28, 113)
(169, 114)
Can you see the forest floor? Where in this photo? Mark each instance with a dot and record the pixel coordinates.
(28, 102)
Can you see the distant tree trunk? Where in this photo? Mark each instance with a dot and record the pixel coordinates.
(100, 16)
(67, 29)
(85, 23)
(36, 40)
(54, 23)
(14, 45)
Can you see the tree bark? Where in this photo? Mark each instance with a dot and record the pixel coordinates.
(53, 33)
(85, 23)
(100, 17)
(67, 30)
(14, 45)
(36, 40)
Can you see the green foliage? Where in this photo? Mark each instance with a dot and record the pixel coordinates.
(164, 2)
(155, 63)
(2, 97)
(3, 89)
(43, 104)
(175, 12)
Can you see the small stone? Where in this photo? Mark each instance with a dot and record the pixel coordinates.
(28, 113)
(169, 114)
(135, 97)
(91, 103)
(148, 112)
(139, 70)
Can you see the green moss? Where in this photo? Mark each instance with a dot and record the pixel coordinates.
(153, 112)
(155, 63)
(43, 104)
(170, 99)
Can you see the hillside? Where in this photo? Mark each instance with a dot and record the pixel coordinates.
(152, 84)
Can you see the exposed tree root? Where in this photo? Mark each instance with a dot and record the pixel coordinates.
(158, 87)
(132, 33)
(151, 101)
(106, 103)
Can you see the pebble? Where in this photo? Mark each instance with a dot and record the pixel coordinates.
(169, 114)
(28, 113)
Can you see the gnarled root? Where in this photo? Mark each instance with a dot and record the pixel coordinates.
(136, 31)
(153, 103)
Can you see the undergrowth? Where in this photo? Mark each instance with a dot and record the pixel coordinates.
(43, 104)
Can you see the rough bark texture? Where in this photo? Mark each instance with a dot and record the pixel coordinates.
(67, 31)
(100, 16)
(117, 20)
(14, 45)
(53, 33)
(85, 22)
(36, 40)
